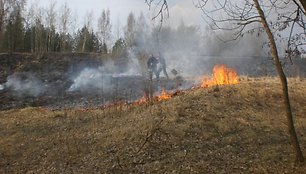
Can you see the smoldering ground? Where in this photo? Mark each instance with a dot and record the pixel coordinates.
(91, 79)
(25, 84)
(103, 77)
(187, 50)
(79, 85)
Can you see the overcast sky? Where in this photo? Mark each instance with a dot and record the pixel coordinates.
(179, 9)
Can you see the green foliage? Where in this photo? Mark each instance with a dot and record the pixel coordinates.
(36, 33)
(40, 37)
(119, 48)
(86, 41)
(103, 49)
(66, 43)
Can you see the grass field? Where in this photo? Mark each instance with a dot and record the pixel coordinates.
(227, 129)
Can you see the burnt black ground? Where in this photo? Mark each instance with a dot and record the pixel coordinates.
(55, 74)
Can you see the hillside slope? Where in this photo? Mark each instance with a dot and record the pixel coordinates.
(227, 129)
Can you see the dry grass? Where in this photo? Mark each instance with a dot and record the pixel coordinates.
(229, 129)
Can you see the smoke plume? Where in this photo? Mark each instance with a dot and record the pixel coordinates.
(91, 78)
(25, 85)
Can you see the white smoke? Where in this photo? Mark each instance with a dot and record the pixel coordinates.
(91, 78)
(134, 66)
(1, 87)
(25, 85)
(102, 77)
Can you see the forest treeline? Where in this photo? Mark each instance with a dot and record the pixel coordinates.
(29, 28)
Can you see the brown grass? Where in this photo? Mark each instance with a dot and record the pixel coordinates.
(227, 129)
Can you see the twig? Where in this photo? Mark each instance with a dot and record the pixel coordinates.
(149, 135)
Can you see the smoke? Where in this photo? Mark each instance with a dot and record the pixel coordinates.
(102, 77)
(193, 52)
(133, 65)
(185, 48)
(25, 85)
(91, 79)
(223, 43)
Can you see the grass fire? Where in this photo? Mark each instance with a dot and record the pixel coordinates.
(222, 75)
(148, 87)
(126, 123)
(232, 129)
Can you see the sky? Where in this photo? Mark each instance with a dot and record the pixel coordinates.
(179, 9)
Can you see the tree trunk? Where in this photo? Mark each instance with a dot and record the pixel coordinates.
(2, 14)
(293, 137)
(84, 43)
(303, 2)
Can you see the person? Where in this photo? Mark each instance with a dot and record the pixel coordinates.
(162, 65)
(152, 67)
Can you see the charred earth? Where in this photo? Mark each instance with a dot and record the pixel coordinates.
(63, 81)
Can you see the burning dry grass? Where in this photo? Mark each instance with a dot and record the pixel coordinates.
(226, 129)
(222, 75)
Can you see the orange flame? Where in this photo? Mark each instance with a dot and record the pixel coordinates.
(222, 75)
(141, 101)
(163, 96)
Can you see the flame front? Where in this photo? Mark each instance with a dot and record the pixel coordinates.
(143, 100)
(163, 96)
(222, 75)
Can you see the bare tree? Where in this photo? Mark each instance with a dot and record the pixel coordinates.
(2, 14)
(10, 11)
(50, 21)
(104, 29)
(14, 28)
(88, 25)
(118, 30)
(39, 34)
(4, 10)
(243, 17)
(64, 23)
(142, 30)
(282, 76)
(303, 2)
(130, 30)
(162, 11)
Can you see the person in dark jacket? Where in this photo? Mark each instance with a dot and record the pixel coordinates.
(162, 65)
(152, 67)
